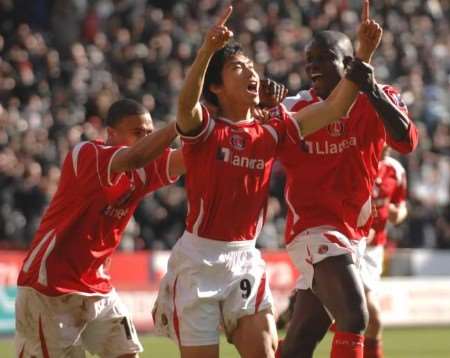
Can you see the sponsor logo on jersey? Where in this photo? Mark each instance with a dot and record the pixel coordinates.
(115, 212)
(325, 147)
(237, 141)
(336, 129)
(227, 156)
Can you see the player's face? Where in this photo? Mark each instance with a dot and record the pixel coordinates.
(130, 129)
(240, 81)
(324, 67)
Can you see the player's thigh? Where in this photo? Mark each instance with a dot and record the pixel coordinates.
(112, 333)
(310, 320)
(256, 335)
(337, 283)
(48, 326)
(209, 351)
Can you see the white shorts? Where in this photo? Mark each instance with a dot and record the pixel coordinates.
(372, 266)
(316, 244)
(66, 326)
(210, 284)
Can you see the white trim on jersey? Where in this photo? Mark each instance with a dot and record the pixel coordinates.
(272, 131)
(142, 175)
(75, 152)
(364, 213)
(398, 168)
(260, 223)
(169, 178)
(42, 279)
(27, 264)
(198, 222)
(291, 208)
(289, 102)
(108, 174)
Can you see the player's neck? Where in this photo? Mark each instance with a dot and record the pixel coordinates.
(235, 113)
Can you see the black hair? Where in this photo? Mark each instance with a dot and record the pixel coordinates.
(334, 39)
(214, 72)
(123, 108)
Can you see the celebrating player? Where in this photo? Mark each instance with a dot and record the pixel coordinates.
(65, 303)
(215, 274)
(389, 202)
(329, 182)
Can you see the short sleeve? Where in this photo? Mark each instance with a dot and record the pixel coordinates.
(287, 126)
(93, 160)
(205, 130)
(156, 174)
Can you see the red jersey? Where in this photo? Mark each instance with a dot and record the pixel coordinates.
(228, 167)
(82, 226)
(389, 187)
(330, 173)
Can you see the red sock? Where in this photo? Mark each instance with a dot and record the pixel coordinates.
(278, 352)
(347, 345)
(373, 348)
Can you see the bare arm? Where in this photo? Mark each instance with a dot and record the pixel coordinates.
(176, 165)
(144, 151)
(189, 116)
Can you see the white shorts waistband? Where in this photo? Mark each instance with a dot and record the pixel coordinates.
(194, 241)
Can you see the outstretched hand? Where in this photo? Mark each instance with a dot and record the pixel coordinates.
(219, 34)
(271, 93)
(369, 34)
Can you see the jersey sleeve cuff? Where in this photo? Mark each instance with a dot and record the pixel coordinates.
(203, 129)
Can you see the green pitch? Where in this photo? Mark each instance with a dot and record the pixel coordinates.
(399, 343)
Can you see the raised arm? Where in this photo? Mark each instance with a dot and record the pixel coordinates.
(336, 106)
(189, 116)
(143, 151)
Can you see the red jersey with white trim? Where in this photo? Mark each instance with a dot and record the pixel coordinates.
(330, 174)
(389, 187)
(228, 169)
(82, 226)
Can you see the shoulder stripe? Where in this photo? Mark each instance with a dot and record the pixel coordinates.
(290, 102)
(199, 220)
(75, 154)
(142, 175)
(36, 250)
(272, 131)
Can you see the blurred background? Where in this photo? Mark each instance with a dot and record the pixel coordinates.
(62, 63)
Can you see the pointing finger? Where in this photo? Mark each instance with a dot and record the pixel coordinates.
(224, 17)
(365, 11)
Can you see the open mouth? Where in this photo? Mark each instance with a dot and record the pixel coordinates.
(253, 87)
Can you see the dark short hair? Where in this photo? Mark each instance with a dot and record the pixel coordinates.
(214, 72)
(334, 39)
(123, 108)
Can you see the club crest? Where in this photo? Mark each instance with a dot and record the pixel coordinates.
(336, 129)
(237, 141)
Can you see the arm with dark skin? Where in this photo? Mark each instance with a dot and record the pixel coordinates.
(395, 121)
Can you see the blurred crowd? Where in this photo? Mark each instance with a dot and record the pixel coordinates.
(62, 63)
